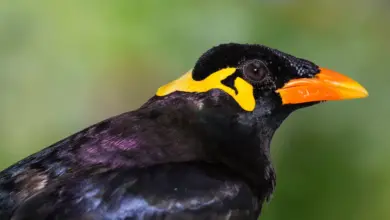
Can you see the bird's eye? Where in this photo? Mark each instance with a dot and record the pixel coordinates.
(255, 70)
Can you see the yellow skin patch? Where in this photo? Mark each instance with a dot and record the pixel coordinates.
(186, 83)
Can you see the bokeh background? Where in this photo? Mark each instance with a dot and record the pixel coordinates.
(65, 65)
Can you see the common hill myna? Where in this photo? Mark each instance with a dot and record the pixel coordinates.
(198, 149)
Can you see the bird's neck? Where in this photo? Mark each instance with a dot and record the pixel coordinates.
(242, 142)
(239, 139)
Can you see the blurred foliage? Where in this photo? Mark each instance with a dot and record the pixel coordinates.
(67, 64)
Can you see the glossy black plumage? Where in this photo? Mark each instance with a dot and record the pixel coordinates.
(181, 156)
(188, 191)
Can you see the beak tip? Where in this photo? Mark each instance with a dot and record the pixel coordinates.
(363, 91)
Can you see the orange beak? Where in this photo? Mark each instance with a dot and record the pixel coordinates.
(326, 85)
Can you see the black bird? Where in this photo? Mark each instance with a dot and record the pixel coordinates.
(198, 149)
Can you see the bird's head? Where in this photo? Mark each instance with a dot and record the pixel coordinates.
(256, 77)
(251, 74)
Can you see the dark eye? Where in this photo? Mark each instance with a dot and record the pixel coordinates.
(255, 70)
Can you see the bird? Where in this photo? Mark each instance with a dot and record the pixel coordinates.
(197, 149)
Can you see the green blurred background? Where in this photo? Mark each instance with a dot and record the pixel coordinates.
(65, 65)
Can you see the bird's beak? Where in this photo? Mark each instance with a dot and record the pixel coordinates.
(326, 85)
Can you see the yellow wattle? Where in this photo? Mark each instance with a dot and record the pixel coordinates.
(186, 83)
